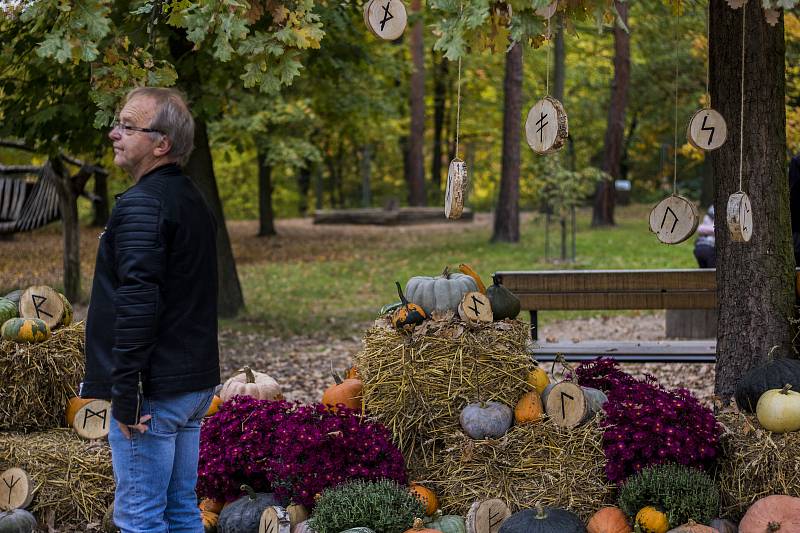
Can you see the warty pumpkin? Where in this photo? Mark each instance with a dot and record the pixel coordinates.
(426, 496)
(346, 392)
(486, 420)
(466, 269)
(408, 313)
(441, 293)
(773, 374)
(529, 408)
(30, 330)
(504, 303)
(777, 513)
(250, 383)
(778, 410)
(693, 527)
(609, 520)
(651, 520)
(17, 521)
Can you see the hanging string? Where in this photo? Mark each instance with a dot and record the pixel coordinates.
(708, 53)
(675, 145)
(741, 103)
(547, 68)
(458, 89)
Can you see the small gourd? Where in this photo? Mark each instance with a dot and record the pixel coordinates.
(243, 515)
(407, 313)
(651, 520)
(210, 521)
(608, 520)
(529, 408)
(17, 521)
(778, 410)
(419, 527)
(466, 269)
(504, 303)
(30, 330)
(538, 379)
(447, 523)
(344, 391)
(426, 496)
(211, 505)
(486, 420)
(213, 407)
(249, 383)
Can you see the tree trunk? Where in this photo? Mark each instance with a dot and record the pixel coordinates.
(755, 280)
(416, 160)
(266, 216)
(440, 82)
(603, 212)
(304, 185)
(200, 168)
(506, 215)
(100, 206)
(68, 207)
(365, 166)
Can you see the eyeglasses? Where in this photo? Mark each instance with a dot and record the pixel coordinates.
(130, 129)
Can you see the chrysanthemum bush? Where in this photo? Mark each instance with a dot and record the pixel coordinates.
(295, 451)
(646, 424)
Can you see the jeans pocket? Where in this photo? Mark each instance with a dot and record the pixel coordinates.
(205, 398)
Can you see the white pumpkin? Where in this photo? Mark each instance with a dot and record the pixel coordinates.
(440, 293)
(250, 383)
(778, 410)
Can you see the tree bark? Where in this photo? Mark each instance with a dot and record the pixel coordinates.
(440, 82)
(416, 160)
(755, 280)
(200, 168)
(266, 216)
(506, 215)
(603, 212)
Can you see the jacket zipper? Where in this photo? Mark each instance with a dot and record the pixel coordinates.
(139, 395)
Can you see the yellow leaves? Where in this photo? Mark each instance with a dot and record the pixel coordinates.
(791, 26)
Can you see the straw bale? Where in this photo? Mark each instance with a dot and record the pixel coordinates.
(534, 463)
(37, 380)
(417, 383)
(72, 478)
(755, 463)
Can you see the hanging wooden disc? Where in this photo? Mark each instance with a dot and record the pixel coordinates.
(475, 307)
(456, 190)
(487, 516)
(42, 302)
(274, 520)
(386, 19)
(16, 489)
(548, 11)
(570, 405)
(546, 128)
(740, 217)
(707, 130)
(674, 219)
(93, 420)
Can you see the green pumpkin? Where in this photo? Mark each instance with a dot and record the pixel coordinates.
(14, 296)
(243, 515)
(66, 320)
(388, 308)
(543, 520)
(504, 303)
(17, 521)
(441, 293)
(773, 374)
(449, 523)
(8, 310)
(25, 330)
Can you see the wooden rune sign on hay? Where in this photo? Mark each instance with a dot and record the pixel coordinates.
(16, 489)
(93, 420)
(42, 302)
(570, 405)
(487, 516)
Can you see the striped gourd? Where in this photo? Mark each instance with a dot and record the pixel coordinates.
(25, 330)
(8, 310)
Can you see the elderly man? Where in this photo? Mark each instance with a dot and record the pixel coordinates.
(151, 330)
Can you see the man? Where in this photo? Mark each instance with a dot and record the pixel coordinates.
(151, 329)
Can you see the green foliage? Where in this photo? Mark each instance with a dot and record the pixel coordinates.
(683, 493)
(383, 506)
(563, 189)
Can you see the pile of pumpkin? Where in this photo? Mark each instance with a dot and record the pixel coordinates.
(30, 315)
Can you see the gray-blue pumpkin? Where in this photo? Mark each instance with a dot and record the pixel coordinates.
(489, 420)
(543, 520)
(17, 521)
(243, 515)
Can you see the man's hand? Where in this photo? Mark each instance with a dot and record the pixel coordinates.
(141, 427)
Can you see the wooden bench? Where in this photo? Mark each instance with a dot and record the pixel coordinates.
(616, 289)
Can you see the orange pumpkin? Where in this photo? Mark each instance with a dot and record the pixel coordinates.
(347, 392)
(529, 408)
(773, 513)
(74, 405)
(211, 505)
(427, 496)
(210, 521)
(608, 520)
(216, 401)
(352, 373)
(418, 527)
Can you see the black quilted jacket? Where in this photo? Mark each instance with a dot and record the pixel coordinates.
(151, 328)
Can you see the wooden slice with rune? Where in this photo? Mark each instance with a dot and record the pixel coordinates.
(674, 219)
(570, 405)
(487, 516)
(386, 19)
(456, 190)
(16, 489)
(93, 420)
(274, 520)
(42, 302)
(707, 130)
(546, 128)
(475, 307)
(740, 217)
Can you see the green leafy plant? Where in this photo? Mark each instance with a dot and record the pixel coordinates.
(683, 493)
(382, 506)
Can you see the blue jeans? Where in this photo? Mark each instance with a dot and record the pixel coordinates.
(156, 471)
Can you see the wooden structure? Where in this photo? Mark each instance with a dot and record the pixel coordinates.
(617, 289)
(387, 217)
(26, 205)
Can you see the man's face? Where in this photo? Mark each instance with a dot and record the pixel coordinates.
(134, 150)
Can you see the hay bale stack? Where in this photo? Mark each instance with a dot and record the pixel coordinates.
(755, 463)
(416, 384)
(37, 380)
(72, 477)
(540, 462)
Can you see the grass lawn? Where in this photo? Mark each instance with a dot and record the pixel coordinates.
(345, 286)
